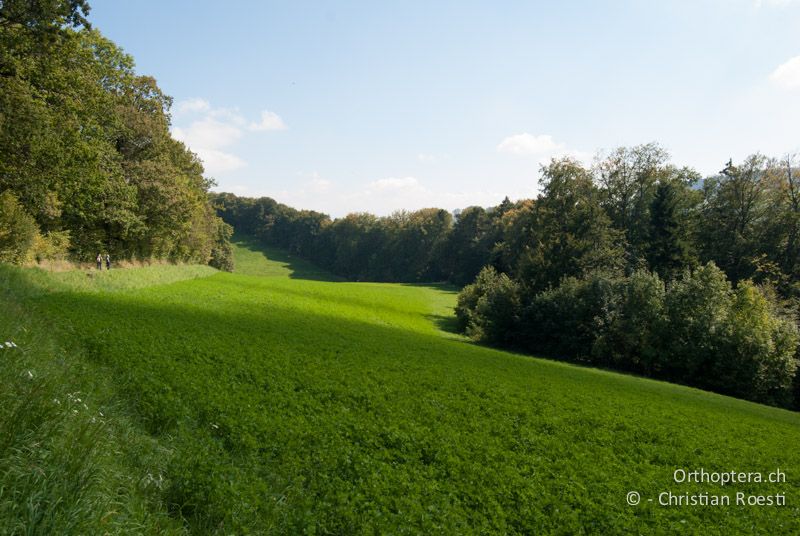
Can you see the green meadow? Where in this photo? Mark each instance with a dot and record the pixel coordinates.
(279, 400)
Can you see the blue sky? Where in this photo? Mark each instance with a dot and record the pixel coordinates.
(377, 106)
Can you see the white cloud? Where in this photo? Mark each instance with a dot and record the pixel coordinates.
(269, 121)
(208, 133)
(216, 161)
(207, 137)
(192, 106)
(528, 144)
(787, 75)
(543, 147)
(214, 132)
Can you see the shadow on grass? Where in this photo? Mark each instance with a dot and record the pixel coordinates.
(272, 261)
(442, 287)
(448, 324)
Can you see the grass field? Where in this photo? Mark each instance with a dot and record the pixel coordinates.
(279, 400)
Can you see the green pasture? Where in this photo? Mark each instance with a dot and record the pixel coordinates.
(279, 400)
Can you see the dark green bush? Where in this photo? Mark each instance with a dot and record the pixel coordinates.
(488, 309)
(699, 331)
(565, 321)
(222, 251)
(633, 328)
(697, 310)
(469, 296)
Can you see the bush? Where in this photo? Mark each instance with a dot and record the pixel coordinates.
(700, 331)
(697, 311)
(497, 311)
(222, 251)
(488, 309)
(18, 230)
(468, 298)
(54, 246)
(760, 361)
(631, 339)
(567, 320)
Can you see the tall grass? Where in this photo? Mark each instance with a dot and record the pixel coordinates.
(62, 470)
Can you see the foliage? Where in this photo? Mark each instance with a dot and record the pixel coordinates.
(52, 246)
(734, 211)
(698, 331)
(669, 250)
(405, 246)
(632, 336)
(487, 308)
(86, 144)
(18, 230)
(572, 235)
(222, 251)
(761, 350)
(629, 177)
(468, 247)
(564, 321)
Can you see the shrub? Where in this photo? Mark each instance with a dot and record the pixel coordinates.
(697, 311)
(700, 331)
(566, 321)
(222, 251)
(18, 230)
(468, 298)
(497, 310)
(488, 309)
(52, 246)
(760, 361)
(631, 339)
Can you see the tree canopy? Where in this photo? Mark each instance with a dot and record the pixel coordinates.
(85, 143)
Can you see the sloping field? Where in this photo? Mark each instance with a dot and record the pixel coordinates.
(274, 403)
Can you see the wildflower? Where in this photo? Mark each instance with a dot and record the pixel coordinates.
(57, 401)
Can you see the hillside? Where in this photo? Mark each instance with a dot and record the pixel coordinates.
(279, 400)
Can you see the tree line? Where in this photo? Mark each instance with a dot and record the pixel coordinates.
(632, 263)
(87, 162)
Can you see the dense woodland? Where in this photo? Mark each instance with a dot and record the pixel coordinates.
(632, 264)
(87, 163)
